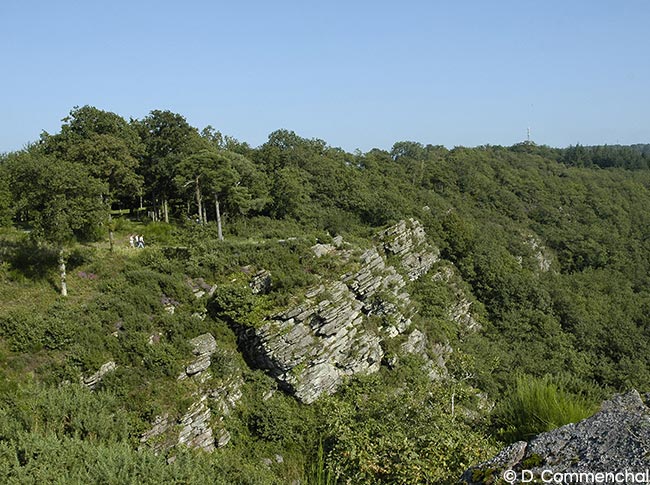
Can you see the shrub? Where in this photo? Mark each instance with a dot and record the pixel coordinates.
(536, 405)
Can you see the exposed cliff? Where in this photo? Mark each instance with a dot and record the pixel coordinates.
(339, 326)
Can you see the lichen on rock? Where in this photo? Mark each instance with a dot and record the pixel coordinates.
(615, 439)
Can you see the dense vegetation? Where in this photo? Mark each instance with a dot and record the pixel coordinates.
(74, 296)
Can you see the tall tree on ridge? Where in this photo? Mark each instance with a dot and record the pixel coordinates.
(168, 138)
(107, 145)
(62, 198)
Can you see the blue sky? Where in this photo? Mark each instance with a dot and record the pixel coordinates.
(357, 74)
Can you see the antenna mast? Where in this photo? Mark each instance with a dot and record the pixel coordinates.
(528, 135)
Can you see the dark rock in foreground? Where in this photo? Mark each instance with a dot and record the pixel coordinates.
(614, 442)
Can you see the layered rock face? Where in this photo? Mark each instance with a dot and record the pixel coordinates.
(200, 427)
(614, 440)
(337, 329)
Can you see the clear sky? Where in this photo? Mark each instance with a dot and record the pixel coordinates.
(357, 74)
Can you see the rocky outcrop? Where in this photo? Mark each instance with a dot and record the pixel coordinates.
(541, 254)
(460, 310)
(614, 440)
(407, 240)
(203, 347)
(200, 288)
(94, 380)
(260, 282)
(536, 256)
(337, 329)
(195, 427)
(202, 425)
(310, 347)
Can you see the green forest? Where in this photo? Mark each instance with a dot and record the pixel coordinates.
(549, 246)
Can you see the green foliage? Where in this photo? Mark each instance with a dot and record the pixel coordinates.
(6, 199)
(31, 259)
(551, 253)
(104, 143)
(283, 420)
(319, 473)
(399, 431)
(61, 198)
(233, 302)
(536, 405)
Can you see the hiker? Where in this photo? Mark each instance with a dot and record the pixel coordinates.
(140, 241)
(131, 241)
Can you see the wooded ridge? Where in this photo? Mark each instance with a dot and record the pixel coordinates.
(302, 314)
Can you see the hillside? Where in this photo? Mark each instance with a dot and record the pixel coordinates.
(300, 314)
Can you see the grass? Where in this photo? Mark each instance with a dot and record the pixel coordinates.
(536, 405)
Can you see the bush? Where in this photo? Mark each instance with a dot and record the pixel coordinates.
(27, 331)
(158, 233)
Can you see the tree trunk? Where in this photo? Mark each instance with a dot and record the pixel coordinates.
(166, 210)
(216, 207)
(111, 234)
(199, 203)
(64, 285)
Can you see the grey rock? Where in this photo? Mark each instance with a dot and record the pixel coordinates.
(541, 254)
(160, 425)
(460, 311)
(204, 344)
(260, 283)
(615, 439)
(199, 365)
(322, 249)
(223, 437)
(94, 380)
(195, 428)
(309, 348)
(200, 288)
(154, 338)
(227, 395)
(407, 239)
(203, 347)
(200, 315)
(416, 343)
